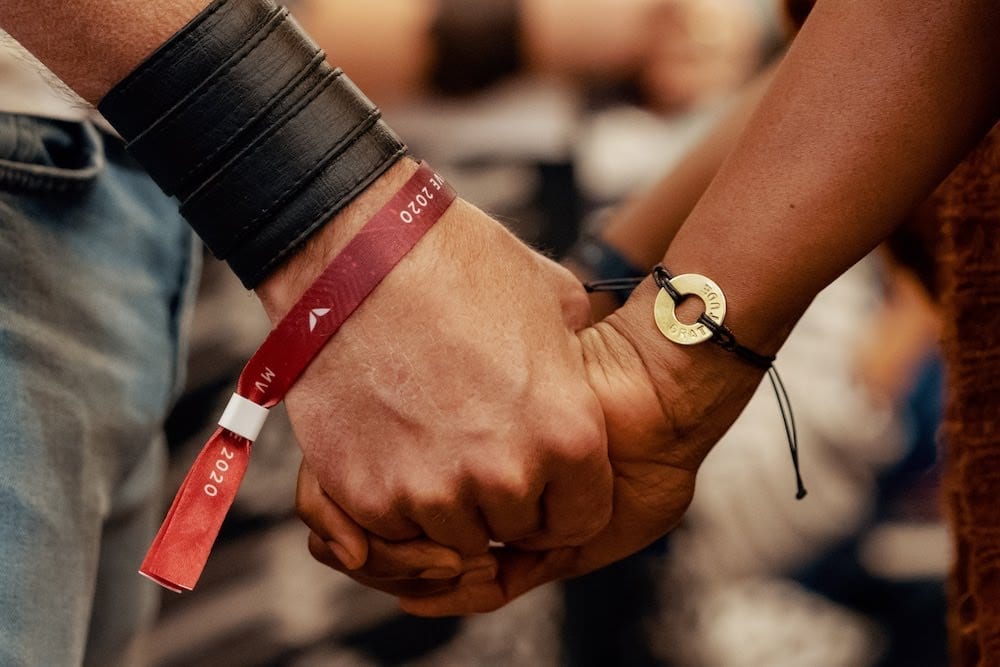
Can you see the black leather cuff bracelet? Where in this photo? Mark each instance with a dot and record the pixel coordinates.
(241, 118)
(477, 43)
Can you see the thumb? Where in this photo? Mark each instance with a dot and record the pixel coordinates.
(519, 572)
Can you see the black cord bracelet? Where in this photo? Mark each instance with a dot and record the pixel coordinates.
(602, 261)
(721, 335)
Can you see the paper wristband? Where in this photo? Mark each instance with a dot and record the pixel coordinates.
(178, 554)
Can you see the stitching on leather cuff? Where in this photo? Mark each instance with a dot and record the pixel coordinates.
(360, 185)
(303, 144)
(311, 172)
(282, 96)
(177, 43)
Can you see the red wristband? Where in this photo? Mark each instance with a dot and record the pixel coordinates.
(182, 545)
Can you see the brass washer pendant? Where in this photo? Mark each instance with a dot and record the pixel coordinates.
(664, 309)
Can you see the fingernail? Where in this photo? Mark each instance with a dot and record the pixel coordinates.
(439, 573)
(480, 576)
(349, 560)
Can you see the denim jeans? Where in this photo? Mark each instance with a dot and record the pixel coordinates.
(97, 266)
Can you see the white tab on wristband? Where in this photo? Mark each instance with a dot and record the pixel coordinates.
(243, 417)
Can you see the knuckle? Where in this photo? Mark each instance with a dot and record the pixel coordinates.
(581, 531)
(592, 524)
(431, 498)
(593, 510)
(510, 482)
(579, 444)
(369, 509)
(322, 554)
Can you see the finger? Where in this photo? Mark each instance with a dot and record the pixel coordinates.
(413, 559)
(519, 572)
(325, 518)
(411, 588)
(456, 601)
(420, 559)
(449, 518)
(577, 504)
(511, 516)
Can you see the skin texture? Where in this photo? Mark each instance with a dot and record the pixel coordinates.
(470, 416)
(654, 453)
(643, 231)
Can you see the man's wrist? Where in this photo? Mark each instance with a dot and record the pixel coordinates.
(285, 285)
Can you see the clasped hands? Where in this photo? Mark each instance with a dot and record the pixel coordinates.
(469, 403)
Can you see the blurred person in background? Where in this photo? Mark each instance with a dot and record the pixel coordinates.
(678, 54)
(871, 452)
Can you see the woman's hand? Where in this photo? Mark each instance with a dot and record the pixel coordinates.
(665, 407)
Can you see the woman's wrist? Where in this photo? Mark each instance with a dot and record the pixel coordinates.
(670, 363)
(765, 296)
(700, 388)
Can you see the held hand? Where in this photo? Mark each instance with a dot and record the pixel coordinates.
(411, 568)
(454, 404)
(658, 434)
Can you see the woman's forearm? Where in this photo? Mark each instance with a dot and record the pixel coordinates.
(873, 105)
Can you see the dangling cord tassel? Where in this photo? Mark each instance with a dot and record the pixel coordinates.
(788, 420)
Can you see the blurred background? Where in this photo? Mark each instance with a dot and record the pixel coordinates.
(607, 96)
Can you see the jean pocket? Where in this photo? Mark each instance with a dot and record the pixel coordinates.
(44, 155)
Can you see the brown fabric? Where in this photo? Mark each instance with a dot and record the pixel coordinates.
(962, 221)
(968, 205)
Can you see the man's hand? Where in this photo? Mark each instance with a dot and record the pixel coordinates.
(664, 408)
(411, 568)
(454, 404)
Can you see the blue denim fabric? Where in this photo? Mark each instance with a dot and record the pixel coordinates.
(96, 265)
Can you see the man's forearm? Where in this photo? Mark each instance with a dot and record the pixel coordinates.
(242, 118)
(93, 44)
